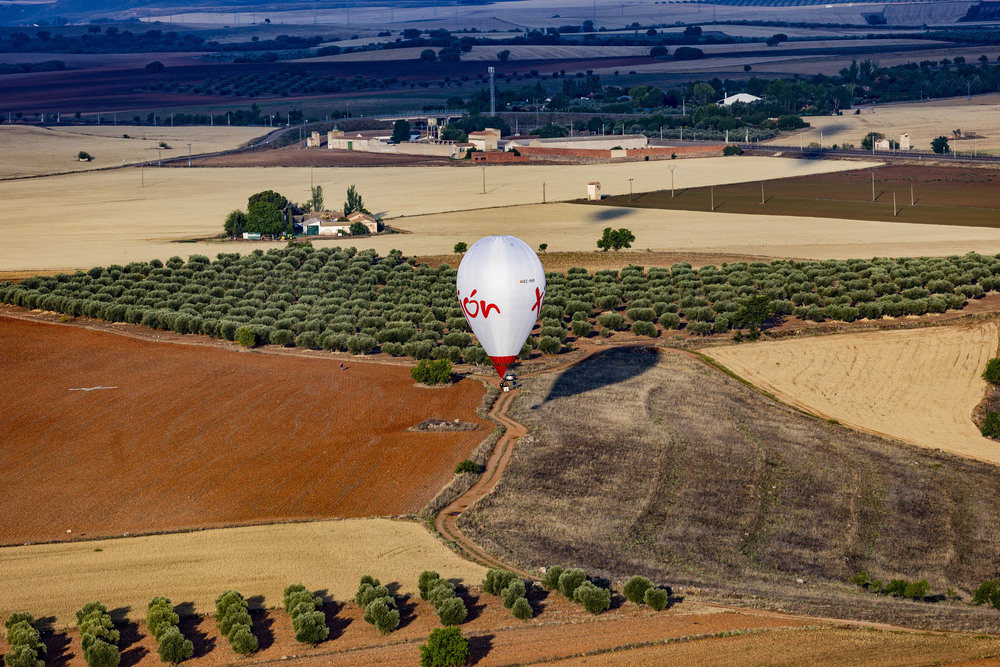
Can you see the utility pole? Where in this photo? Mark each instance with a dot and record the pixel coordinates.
(484, 179)
(493, 91)
(762, 192)
(630, 189)
(873, 184)
(159, 156)
(894, 212)
(713, 197)
(911, 193)
(671, 167)
(543, 192)
(189, 155)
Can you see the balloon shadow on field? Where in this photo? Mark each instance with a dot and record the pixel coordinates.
(607, 213)
(603, 369)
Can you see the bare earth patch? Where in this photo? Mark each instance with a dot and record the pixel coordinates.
(106, 434)
(917, 385)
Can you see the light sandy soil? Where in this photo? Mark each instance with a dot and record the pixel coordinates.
(107, 217)
(32, 151)
(917, 385)
(57, 579)
(923, 120)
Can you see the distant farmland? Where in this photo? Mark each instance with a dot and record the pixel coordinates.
(969, 197)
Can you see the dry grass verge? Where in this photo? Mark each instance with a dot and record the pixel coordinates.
(662, 466)
(463, 481)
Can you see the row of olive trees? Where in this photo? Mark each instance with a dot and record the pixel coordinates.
(344, 300)
(232, 617)
(161, 622)
(450, 608)
(98, 636)
(379, 605)
(24, 640)
(511, 590)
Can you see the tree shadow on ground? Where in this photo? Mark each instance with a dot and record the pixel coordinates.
(131, 652)
(331, 609)
(194, 627)
(537, 597)
(407, 610)
(602, 369)
(262, 622)
(473, 603)
(479, 647)
(57, 653)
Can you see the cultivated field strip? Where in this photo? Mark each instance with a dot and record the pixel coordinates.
(57, 579)
(917, 385)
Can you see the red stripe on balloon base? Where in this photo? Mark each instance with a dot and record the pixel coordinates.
(501, 363)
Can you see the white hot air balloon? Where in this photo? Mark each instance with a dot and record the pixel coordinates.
(501, 285)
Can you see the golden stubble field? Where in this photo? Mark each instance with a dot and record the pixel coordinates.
(917, 385)
(33, 151)
(57, 579)
(120, 216)
(922, 120)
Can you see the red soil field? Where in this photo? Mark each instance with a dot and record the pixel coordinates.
(196, 435)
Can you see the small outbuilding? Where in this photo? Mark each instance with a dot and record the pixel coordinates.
(594, 191)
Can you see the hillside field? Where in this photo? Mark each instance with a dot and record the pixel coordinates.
(654, 463)
(918, 385)
(188, 435)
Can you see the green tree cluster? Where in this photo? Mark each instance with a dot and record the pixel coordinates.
(574, 584)
(450, 608)
(24, 640)
(434, 372)
(98, 636)
(232, 617)
(615, 239)
(306, 610)
(161, 621)
(511, 590)
(380, 607)
(445, 647)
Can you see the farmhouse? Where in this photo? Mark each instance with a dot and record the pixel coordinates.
(883, 145)
(334, 223)
(486, 140)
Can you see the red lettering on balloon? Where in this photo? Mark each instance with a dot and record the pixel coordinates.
(480, 307)
(539, 295)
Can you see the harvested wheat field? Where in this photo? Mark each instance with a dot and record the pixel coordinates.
(195, 567)
(922, 120)
(106, 434)
(918, 385)
(87, 209)
(651, 462)
(34, 151)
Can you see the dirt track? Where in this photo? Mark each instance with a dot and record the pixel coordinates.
(188, 433)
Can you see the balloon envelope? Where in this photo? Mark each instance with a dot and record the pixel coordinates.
(501, 285)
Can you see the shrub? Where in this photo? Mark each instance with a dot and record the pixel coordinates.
(160, 616)
(549, 345)
(172, 647)
(283, 337)
(550, 581)
(656, 598)
(896, 587)
(383, 615)
(611, 321)
(988, 591)
(438, 590)
(917, 590)
(570, 580)
(434, 372)
(992, 372)
(360, 344)
(310, 627)
(497, 580)
(516, 589)
(581, 329)
(521, 609)
(670, 321)
(641, 328)
(451, 611)
(732, 149)
(591, 597)
(635, 589)
(427, 577)
(991, 425)
(445, 647)
(367, 594)
(246, 337)
(466, 466)
(102, 654)
(860, 579)
(26, 648)
(242, 639)
(98, 636)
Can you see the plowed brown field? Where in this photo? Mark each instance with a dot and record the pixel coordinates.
(183, 436)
